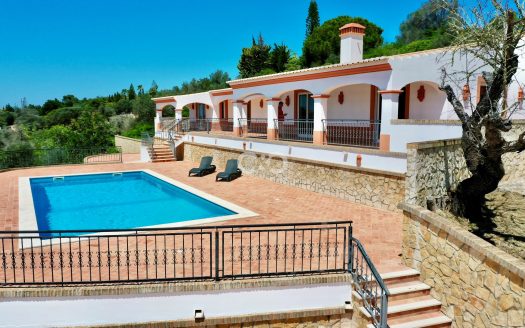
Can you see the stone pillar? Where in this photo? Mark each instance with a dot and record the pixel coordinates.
(389, 112)
(272, 108)
(320, 114)
(238, 109)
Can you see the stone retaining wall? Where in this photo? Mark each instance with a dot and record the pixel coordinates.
(436, 167)
(374, 188)
(129, 145)
(478, 284)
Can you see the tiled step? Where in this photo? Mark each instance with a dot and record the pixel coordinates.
(163, 160)
(431, 320)
(396, 277)
(409, 304)
(400, 291)
(410, 308)
(405, 290)
(400, 276)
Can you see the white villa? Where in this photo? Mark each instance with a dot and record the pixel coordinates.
(379, 103)
(331, 160)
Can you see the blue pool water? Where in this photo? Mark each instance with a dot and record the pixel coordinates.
(115, 201)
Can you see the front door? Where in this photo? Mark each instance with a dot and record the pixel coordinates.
(305, 124)
(201, 111)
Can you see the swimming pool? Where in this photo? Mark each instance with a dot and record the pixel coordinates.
(120, 200)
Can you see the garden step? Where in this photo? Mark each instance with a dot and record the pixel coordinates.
(409, 308)
(432, 320)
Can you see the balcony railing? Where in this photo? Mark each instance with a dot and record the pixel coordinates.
(173, 254)
(58, 156)
(221, 124)
(295, 130)
(360, 133)
(254, 127)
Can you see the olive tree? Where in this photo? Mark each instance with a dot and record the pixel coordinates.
(487, 41)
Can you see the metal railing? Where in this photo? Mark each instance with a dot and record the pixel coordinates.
(254, 127)
(57, 156)
(295, 130)
(361, 133)
(368, 284)
(172, 254)
(221, 124)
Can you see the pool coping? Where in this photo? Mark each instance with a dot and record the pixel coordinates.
(27, 220)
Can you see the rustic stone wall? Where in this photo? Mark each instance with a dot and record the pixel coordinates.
(436, 167)
(433, 168)
(378, 189)
(478, 284)
(514, 162)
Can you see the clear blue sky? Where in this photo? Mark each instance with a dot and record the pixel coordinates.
(88, 48)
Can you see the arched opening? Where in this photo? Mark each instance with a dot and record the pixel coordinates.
(255, 120)
(224, 121)
(295, 115)
(168, 111)
(353, 116)
(422, 100)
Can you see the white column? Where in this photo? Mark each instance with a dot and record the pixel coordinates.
(215, 111)
(158, 119)
(237, 114)
(389, 112)
(320, 114)
(272, 108)
(178, 114)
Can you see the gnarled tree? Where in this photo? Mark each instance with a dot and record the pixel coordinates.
(487, 41)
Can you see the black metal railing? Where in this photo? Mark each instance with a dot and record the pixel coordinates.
(57, 156)
(172, 254)
(295, 130)
(368, 284)
(254, 127)
(361, 133)
(221, 124)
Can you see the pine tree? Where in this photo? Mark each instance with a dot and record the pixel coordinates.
(312, 21)
(131, 92)
(153, 89)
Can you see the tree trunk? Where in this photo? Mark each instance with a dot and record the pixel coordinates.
(469, 197)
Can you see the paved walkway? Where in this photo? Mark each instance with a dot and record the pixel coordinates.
(379, 230)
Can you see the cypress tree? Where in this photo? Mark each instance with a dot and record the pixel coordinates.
(131, 92)
(312, 21)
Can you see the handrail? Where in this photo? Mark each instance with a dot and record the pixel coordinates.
(64, 257)
(369, 284)
(235, 226)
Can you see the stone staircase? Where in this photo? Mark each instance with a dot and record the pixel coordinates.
(161, 152)
(410, 304)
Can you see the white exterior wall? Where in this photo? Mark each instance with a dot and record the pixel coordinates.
(128, 309)
(519, 81)
(257, 110)
(288, 110)
(435, 106)
(382, 162)
(201, 97)
(356, 103)
(319, 86)
(408, 133)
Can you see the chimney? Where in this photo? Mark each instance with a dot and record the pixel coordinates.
(351, 43)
